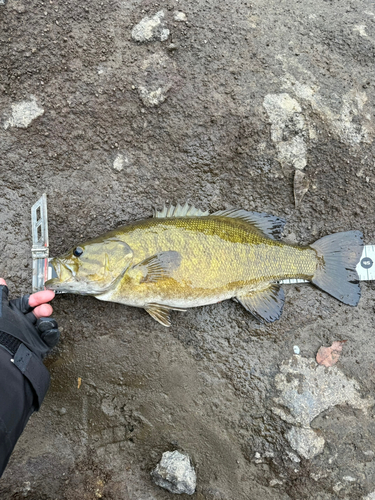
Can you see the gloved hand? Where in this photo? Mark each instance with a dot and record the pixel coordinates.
(25, 320)
(26, 336)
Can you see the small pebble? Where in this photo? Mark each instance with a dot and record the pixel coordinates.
(180, 16)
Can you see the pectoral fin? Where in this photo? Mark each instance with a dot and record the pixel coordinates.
(159, 266)
(161, 312)
(266, 305)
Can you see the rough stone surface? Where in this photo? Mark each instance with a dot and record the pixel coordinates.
(175, 473)
(305, 441)
(23, 113)
(151, 29)
(308, 389)
(207, 383)
(288, 129)
(157, 76)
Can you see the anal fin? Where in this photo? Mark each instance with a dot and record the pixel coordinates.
(161, 312)
(266, 305)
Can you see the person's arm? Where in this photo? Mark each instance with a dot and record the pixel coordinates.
(26, 336)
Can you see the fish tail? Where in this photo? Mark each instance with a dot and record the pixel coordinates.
(338, 256)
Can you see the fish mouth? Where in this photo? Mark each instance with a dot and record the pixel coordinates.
(64, 280)
(67, 280)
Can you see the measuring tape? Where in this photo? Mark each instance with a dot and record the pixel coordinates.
(40, 247)
(43, 271)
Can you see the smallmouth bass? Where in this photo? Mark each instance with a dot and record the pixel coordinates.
(184, 257)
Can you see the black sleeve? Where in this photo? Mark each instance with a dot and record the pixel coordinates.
(17, 402)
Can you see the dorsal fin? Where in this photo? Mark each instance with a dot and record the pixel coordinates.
(179, 211)
(270, 225)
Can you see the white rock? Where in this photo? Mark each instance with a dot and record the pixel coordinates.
(120, 162)
(23, 113)
(164, 34)
(150, 29)
(350, 479)
(275, 482)
(361, 29)
(179, 16)
(175, 473)
(346, 124)
(293, 457)
(151, 98)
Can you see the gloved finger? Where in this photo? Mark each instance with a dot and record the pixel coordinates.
(44, 324)
(4, 289)
(48, 329)
(51, 337)
(42, 311)
(38, 298)
(25, 305)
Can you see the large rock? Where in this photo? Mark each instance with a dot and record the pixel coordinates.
(175, 473)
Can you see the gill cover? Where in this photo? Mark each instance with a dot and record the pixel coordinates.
(94, 270)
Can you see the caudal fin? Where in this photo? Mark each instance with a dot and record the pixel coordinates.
(338, 256)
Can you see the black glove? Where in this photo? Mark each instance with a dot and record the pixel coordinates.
(17, 319)
(27, 340)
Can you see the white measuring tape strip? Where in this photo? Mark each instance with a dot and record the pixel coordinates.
(366, 267)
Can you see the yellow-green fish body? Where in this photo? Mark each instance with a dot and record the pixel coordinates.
(186, 258)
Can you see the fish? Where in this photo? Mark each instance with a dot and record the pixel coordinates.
(184, 257)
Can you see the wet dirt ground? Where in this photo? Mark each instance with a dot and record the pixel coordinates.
(221, 113)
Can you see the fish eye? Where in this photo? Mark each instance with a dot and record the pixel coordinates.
(78, 251)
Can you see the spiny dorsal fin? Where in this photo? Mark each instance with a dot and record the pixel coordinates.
(270, 225)
(179, 211)
(161, 312)
(266, 305)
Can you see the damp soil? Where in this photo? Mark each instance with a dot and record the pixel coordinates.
(124, 388)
